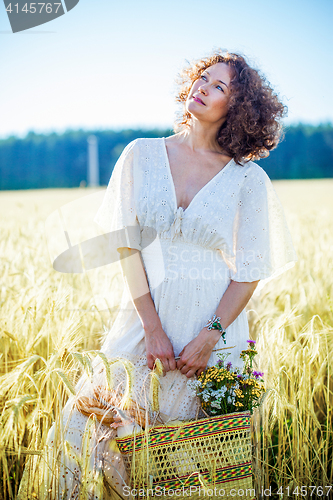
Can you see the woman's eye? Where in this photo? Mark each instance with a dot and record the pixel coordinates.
(220, 88)
(203, 77)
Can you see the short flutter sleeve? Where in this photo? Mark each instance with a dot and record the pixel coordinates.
(117, 215)
(262, 242)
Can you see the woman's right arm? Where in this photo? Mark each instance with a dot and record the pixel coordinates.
(158, 344)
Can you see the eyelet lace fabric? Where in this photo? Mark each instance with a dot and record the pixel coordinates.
(234, 229)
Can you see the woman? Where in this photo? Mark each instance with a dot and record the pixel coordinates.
(204, 227)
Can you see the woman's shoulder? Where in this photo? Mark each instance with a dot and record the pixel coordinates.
(252, 170)
(145, 141)
(144, 146)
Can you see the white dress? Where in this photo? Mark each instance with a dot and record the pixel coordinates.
(234, 229)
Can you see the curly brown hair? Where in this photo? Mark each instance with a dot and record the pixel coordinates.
(252, 127)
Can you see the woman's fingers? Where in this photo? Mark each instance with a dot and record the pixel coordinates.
(190, 367)
(159, 346)
(169, 363)
(172, 363)
(179, 361)
(150, 361)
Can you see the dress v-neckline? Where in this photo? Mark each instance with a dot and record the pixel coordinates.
(173, 184)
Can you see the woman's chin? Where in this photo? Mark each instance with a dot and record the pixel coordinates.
(194, 111)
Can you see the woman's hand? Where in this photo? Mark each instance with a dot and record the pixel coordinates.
(158, 345)
(195, 355)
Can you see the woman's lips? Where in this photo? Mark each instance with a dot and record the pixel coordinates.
(197, 99)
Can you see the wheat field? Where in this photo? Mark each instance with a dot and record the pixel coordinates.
(47, 319)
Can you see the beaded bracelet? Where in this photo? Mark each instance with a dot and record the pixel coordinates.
(214, 324)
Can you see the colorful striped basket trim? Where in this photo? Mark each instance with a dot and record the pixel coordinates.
(205, 427)
(224, 475)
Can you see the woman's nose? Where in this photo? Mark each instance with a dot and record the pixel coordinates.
(202, 89)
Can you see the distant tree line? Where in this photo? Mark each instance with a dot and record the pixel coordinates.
(53, 160)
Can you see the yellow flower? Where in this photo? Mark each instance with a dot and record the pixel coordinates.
(239, 393)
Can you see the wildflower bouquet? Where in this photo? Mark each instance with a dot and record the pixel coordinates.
(223, 390)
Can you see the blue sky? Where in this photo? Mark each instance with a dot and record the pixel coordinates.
(112, 64)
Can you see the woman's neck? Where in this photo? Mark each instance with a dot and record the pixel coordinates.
(199, 136)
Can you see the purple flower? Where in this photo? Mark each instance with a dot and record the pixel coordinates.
(257, 374)
(239, 376)
(220, 362)
(251, 341)
(229, 365)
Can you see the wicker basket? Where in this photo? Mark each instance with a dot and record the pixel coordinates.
(213, 453)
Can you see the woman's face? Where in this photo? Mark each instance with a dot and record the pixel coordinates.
(208, 98)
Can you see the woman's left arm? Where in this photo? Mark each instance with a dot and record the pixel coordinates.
(195, 355)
